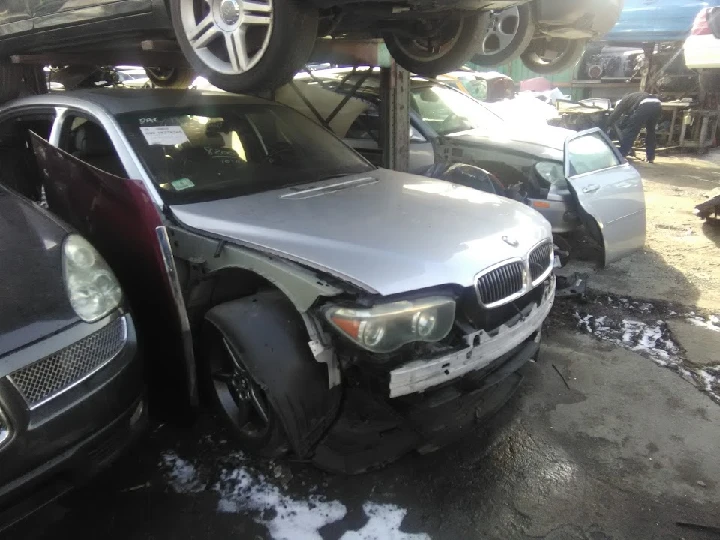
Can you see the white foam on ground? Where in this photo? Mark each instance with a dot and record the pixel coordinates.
(712, 323)
(383, 524)
(631, 334)
(182, 475)
(286, 518)
(242, 490)
(653, 341)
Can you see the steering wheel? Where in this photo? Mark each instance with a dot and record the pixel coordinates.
(278, 151)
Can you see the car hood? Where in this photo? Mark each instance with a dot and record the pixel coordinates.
(34, 302)
(383, 231)
(536, 139)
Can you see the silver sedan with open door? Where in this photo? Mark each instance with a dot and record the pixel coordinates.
(609, 193)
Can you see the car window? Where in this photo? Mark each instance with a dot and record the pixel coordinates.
(207, 153)
(590, 153)
(448, 111)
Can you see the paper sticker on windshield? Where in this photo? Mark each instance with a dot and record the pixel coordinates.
(164, 135)
(182, 183)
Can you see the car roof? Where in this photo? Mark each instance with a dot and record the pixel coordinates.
(126, 100)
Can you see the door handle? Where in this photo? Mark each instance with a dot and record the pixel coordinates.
(592, 188)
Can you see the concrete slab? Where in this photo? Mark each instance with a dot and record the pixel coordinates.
(702, 345)
(621, 448)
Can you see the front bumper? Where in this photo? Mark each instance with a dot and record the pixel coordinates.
(460, 390)
(68, 438)
(482, 348)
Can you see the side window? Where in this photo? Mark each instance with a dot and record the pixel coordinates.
(88, 141)
(590, 153)
(19, 168)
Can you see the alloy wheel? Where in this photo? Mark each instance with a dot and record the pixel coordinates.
(229, 36)
(425, 49)
(162, 74)
(243, 400)
(502, 29)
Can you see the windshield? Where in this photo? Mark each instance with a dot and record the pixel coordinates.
(448, 111)
(207, 153)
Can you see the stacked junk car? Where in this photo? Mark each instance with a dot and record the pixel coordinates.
(254, 248)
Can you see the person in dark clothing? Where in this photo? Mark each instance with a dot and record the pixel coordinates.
(631, 114)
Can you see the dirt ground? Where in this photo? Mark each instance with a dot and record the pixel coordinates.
(681, 259)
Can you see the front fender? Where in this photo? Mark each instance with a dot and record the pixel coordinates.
(272, 336)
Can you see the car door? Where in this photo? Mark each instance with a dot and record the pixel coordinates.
(608, 191)
(117, 215)
(51, 13)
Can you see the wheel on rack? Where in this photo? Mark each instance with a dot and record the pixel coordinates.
(550, 55)
(173, 77)
(245, 45)
(436, 46)
(508, 34)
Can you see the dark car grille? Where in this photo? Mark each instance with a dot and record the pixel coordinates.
(540, 260)
(47, 378)
(501, 283)
(4, 430)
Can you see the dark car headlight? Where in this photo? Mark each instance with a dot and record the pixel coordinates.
(92, 287)
(387, 327)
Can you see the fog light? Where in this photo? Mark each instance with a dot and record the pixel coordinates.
(137, 413)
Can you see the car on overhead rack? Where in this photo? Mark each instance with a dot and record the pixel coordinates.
(655, 21)
(238, 45)
(71, 376)
(548, 35)
(343, 312)
(571, 178)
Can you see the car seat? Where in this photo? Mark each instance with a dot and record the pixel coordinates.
(93, 146)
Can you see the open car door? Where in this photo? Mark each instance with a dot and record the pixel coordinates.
(608, 191)
(117, 216)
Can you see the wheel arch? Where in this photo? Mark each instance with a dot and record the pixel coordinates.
(296, 384)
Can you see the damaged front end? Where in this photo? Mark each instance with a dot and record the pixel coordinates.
(425, 395)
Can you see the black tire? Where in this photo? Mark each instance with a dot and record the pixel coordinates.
(19, 80)
(180, 78)
(294, 30)
(524, 32)
(266, 440)
(570, 51)
(460, 37)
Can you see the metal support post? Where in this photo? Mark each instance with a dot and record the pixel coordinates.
(395, 117)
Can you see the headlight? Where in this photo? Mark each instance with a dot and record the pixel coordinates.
(387, 327)
(554, 173)
(92, 288)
